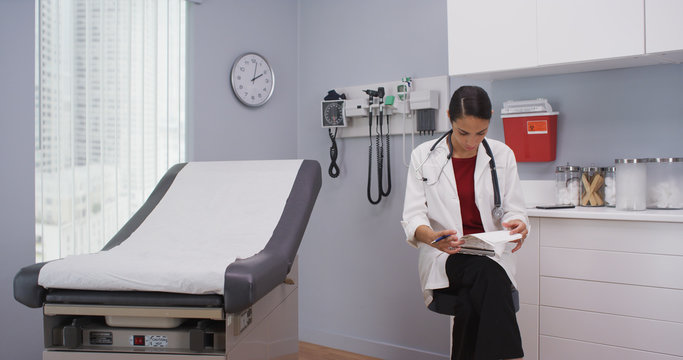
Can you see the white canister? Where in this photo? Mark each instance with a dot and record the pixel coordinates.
(631, 184)
(665, 183)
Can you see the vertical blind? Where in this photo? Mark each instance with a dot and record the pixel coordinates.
(110, 115)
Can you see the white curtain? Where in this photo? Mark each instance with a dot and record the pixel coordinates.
(110, 115)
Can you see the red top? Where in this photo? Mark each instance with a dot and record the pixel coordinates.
(464, 178)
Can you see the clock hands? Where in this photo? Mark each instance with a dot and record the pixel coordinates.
(255, 77)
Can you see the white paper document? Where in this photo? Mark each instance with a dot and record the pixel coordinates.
(487, 243)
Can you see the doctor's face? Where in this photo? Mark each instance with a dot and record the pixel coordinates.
(468, 133)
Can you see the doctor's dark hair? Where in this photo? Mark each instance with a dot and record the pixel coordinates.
(470, 101)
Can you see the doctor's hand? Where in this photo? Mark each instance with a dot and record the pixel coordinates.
(450, 245)
(517, 227)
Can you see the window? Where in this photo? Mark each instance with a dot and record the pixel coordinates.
(110, 115)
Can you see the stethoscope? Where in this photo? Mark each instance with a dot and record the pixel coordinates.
(497, 211)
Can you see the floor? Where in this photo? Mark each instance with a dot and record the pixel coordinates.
(308, 351)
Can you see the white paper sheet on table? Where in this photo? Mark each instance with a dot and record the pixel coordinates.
(212, 214)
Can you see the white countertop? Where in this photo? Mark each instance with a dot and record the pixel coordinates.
(538, 192)
(608, 213)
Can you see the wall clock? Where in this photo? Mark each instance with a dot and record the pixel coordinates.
(252, 79)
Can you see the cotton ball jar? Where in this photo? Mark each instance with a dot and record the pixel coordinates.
(567, 185)
(631, 178)
(665, 183)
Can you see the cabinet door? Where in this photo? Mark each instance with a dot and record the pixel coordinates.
(491, 35)
(646, 302)
(620, 331)
(584, 30)
(663, 25)
(528, 264)
(553, 348)
(527, 282)
(527, 319)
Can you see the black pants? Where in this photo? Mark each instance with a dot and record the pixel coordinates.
(485, 326)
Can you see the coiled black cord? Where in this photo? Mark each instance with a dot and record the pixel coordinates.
(380, 139)
(379, 196)
(334, 168)
(380, 154)
(388, 190)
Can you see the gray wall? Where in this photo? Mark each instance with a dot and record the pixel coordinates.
(359, 287)
(221, 128)
(21, 333)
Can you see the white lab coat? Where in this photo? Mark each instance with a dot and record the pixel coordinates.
(436, 204)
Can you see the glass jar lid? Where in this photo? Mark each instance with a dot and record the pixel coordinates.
(630, 161)
(567, 168)
(664, 160)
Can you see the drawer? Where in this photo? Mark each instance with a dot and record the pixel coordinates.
(618, 299)
(622, 331)
(617, 267)
(527, 319)
(627, 236)
(552, 348)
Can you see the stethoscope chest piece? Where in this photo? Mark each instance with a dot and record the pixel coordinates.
(497, 213)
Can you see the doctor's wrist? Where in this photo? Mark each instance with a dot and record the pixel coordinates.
(425, 234)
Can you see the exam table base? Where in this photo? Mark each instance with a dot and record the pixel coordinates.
(270, 336)
(273, 333)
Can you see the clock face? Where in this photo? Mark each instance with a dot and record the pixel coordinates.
(252, 79)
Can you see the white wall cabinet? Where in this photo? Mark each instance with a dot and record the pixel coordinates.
(664, 26)
(606, 289)
(510, 38)
(491, 35)
(588, 30)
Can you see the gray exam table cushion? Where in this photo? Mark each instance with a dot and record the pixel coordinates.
(246, 280)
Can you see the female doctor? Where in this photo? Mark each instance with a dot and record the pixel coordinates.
(450, 192)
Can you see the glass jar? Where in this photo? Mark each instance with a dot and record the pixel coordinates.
(632, 179)
(610, 187)
(592, 186)
(665, 183)
(567, 185)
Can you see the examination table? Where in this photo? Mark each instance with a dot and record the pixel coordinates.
(157, 291)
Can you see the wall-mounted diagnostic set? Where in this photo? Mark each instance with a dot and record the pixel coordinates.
(370, 110)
